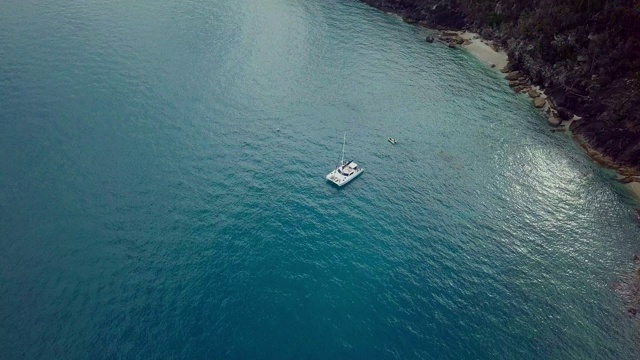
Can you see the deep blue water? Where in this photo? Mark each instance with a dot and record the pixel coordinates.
(162, 193)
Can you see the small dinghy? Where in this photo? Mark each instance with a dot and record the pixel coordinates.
(392, 140)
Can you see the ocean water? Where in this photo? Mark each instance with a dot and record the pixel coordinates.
(162, 193)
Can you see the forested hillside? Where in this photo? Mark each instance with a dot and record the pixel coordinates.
(585, 53)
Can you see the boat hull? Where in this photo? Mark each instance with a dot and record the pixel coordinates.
(341, 180)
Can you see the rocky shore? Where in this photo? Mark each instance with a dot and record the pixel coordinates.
(579, 62)
(518, 80)
(579, 67)
(628, 289)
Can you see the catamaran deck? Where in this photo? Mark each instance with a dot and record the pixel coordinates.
(343, 174)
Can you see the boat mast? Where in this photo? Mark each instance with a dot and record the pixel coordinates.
(344, 139)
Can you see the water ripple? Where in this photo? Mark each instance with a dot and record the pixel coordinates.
(162, 172)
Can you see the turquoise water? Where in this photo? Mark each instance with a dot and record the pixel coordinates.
(163, 196)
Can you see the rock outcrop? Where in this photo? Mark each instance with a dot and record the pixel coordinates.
(512, 76)
(539, 102)
(554, 121)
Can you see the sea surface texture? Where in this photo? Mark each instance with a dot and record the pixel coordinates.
(163, 193)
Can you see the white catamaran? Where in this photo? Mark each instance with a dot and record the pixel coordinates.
(345, 171)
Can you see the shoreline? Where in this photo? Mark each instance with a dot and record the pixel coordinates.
(494, 57)
(627, 177)
(634, 188)
(483, 51)
(583, 82)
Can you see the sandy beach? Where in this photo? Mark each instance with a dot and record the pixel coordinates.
(483, 51)
(634, 187)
